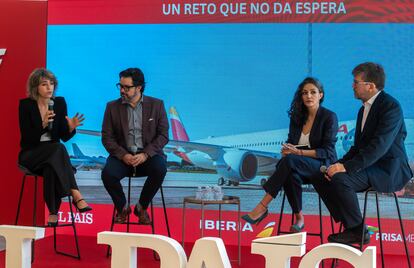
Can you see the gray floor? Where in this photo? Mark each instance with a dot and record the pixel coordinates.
(249, 197)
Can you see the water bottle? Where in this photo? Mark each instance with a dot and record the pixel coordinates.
(210, 194)
(199, 193)
(203, 193)
(218, 193)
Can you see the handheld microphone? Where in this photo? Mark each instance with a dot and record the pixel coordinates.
(134, 149)
(50, 105)
(324, 171)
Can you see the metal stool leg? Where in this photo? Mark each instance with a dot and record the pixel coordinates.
(320, 220)
(165, 212)
(363, 219)
(74, 233)
(20, 200)
(128, 201)
(380, 230)
(108, 253)
(402, 230)
(281, 214)
(320, 225)
(152, 218)
(154, 253)
(34, 214)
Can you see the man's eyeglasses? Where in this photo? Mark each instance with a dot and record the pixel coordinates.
(355, 82)
(120, 86)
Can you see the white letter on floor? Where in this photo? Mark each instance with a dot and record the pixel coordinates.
(211, 251)
(18, 244)
(278, 250)
(124, 249)
(367, 259)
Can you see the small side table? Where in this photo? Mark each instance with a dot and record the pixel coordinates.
(227, 200)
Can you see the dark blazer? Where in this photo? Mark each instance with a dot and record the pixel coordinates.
(31, 123)
(154, 127)
(322, 137)
(380, 147)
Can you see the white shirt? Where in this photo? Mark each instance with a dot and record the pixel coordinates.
(367, 108)
(46, 136)
(304, 139)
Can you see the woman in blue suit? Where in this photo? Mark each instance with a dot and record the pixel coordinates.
(310, 144)
(41, 130)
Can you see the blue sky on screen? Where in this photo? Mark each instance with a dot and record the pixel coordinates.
(225, 78)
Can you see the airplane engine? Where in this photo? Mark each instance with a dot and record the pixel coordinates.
(239, 165)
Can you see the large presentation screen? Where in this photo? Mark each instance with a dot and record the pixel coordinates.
(227, 72)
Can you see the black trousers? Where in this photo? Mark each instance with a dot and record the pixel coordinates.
(51, 161)
(340, 195)
(291, 172)
(115, 170)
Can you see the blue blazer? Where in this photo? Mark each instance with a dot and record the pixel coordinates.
(322, 137)
(380, 149)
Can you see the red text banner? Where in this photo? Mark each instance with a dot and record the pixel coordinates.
(235, 11)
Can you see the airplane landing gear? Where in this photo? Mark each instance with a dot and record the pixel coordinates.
(221, 181)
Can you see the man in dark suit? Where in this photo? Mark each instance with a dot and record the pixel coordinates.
(134, 131)
(377, 159)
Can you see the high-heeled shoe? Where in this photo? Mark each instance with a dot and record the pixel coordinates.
(52, 221)
(297, 228)
(81, 210)
(259, 219)
(255, 221)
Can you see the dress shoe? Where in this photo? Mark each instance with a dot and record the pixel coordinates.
(255, 221)
(81, 210)
(121, 217)
(349, 237)
(142, 215)
(296, 228)
(52, 220)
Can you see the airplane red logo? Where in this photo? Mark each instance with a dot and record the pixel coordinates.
(2, 53)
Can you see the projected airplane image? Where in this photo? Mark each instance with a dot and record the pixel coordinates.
(235, 158)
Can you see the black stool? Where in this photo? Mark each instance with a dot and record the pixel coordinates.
(320, 233)
(137, 223)
(27, 172)
(379, 224)
(360, 247)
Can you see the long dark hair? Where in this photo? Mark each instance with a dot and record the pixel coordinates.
(298, 111)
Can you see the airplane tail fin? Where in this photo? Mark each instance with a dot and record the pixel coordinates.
(76, 151)
(178, 129)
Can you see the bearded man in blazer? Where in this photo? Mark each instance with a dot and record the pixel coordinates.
(377, 160)
(134, 132)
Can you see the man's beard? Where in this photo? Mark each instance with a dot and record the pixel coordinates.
(128, 99)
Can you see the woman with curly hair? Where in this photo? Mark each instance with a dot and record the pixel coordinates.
(41, 130)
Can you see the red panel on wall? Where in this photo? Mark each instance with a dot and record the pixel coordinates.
(22, 48)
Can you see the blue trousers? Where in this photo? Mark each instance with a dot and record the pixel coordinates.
(115, 170)
(291, 172)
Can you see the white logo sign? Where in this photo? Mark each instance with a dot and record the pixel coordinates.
(207, 251)
(2, 53)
